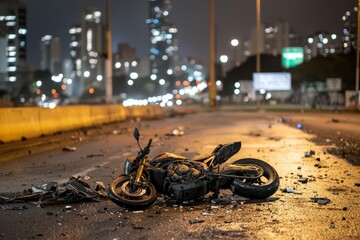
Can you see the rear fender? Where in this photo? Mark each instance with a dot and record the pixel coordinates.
(223, 152)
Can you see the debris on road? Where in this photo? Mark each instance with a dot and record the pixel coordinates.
(332, 225)
(69, 149)
(96, 155)
(121, 131)
(75, 190)
(303, 180)
(309, 153)
(288, 190)
(320, 201)
(194, 221)
(179, 131)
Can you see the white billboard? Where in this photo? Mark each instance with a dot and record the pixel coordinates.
(272, 81)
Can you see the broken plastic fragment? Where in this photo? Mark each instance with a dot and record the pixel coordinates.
(309, 153)
(288, 190)
(303, 180)
(75, 190)
(69, 149)
(194, 221)
(321, 201)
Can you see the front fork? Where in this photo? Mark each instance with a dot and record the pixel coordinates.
(135, 183)
(140, 170)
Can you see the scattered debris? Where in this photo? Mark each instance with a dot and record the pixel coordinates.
(309, 153)
(320, 201)
(14, 207)
(96, 155)
(332, 225)
(179, 131)
(207, 214)
(194, 221)
(69, 149)
(75, 190)
(121, 131)
(288, 190)
(303, 180)
(67, 208)
(140, 211)
(299, 126)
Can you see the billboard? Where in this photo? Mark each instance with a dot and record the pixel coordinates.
(292, 56)
(272, 81)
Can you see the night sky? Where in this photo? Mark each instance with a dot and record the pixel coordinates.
(234, 19)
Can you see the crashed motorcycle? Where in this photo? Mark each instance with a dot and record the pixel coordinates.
(184, 179)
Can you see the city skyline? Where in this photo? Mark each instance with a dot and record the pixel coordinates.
(193, 30)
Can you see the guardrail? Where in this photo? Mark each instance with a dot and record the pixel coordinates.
(30, 122)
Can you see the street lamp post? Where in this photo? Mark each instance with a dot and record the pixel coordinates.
(358, 56)
(108, 63)
(258, 35)
(212, 85)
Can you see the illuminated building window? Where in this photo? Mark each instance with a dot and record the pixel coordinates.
(12, 69)
(10, 24)
(22, 31)
(89, 39)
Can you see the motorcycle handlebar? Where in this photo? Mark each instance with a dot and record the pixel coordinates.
(149, 143)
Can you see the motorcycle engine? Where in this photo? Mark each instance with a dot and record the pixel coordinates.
(185, 181)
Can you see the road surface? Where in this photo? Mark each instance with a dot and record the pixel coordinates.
(291, 213)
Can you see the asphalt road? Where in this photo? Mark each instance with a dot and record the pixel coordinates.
(100, 153)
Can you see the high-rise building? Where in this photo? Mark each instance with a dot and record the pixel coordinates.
(92, 51)
(320, 44)
(164, 47)
(87, 51)
(50, 54)
(75, 56)
(349, 38)
(13, 34)
(274, 36)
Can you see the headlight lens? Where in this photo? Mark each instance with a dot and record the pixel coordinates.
(127, 166)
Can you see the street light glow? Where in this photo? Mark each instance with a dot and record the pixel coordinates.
(224, 58)
(234, 42)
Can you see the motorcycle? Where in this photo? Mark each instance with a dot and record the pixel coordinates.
(184, 179)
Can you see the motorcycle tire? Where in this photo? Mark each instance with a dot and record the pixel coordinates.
(257, 189)
(119, 193)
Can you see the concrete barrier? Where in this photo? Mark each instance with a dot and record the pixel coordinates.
(19, 123)
(30, 122)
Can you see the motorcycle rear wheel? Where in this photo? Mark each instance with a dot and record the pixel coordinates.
(121, 194)
(261, 188)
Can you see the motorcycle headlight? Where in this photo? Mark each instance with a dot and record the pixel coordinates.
(128, 165)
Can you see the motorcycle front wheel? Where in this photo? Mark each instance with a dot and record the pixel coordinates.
(259, 188)
(121, 193)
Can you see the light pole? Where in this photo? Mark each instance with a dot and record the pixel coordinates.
(234, 42)
(258, 35)
(108, 63)
(212, 85)
(357, 57)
